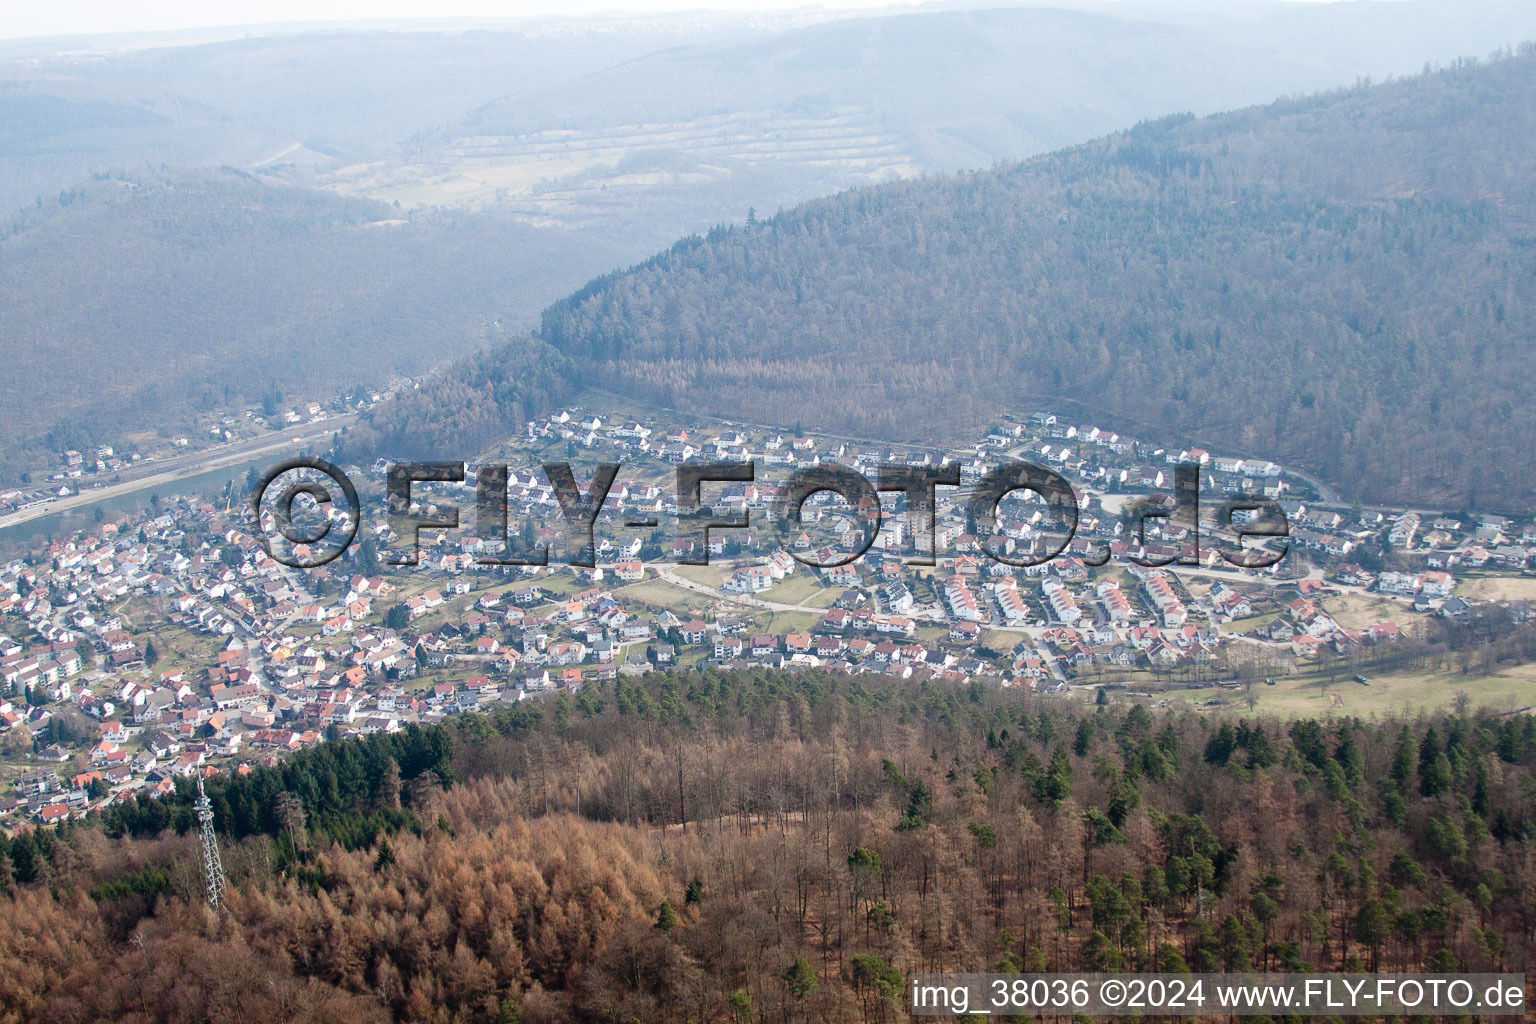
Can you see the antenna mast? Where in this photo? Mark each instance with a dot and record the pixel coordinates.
(213, 866)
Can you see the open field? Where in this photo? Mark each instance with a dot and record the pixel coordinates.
(786, 622)
(1249, 624)
(1394, 694)
(660, 594)
(997, 641)
(565, 176)
(1498, 588)
(824, 598)
(794, 589)
(927, 635)
(708, 575)
(1356, 611)
(182, 650)
(562, 584)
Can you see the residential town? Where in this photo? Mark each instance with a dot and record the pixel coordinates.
(159, 646)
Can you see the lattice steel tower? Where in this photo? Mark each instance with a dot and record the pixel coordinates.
(213, 867)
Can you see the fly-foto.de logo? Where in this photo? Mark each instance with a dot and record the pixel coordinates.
(1247, 532)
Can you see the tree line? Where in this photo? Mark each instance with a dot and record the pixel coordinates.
(767, 846)
(1345, 281)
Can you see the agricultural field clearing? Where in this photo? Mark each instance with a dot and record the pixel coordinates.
(1356, 611)
(1249, 624)
(707, 575)
(798, 588)
(1498, 588)
(825, 597)
(786, 622)
(1393, 694)
(661, 595)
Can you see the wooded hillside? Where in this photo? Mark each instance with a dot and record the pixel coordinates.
(781, 847)
(142, 301)
(1346, 281)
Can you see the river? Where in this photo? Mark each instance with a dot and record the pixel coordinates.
(210, 483)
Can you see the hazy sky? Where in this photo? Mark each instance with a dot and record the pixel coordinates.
(70, 17)
(20, 18)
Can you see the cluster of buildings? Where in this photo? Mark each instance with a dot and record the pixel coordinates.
(171, 643)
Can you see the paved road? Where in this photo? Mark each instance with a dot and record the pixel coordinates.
(181, 467)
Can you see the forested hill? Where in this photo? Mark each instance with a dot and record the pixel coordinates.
(142, 300)
(762, 847)
(1347, 281)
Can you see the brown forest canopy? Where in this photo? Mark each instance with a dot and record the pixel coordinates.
(1347, 281)
(761, 846)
